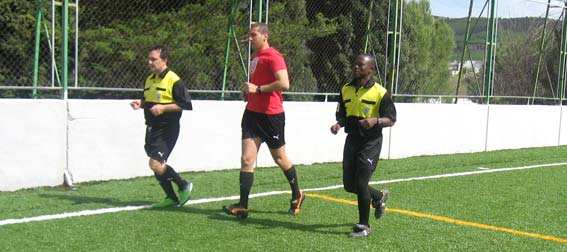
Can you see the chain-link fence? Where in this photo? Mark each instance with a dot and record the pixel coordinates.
(433, 58)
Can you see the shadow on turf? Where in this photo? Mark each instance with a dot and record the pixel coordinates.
(87, 200)
(263, 223)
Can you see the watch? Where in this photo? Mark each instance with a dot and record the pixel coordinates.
(379, 121)
(259, 89)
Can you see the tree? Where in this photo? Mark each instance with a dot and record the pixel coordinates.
(17, 24)
(333, 54)
(516, 63)
(427, 45)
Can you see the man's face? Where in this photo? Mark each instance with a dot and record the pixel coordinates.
(256, 38)
(362, 67)
(156, 64)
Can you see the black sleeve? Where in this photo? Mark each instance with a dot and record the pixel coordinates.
(181, 96)
(340, 114)
(387, 108)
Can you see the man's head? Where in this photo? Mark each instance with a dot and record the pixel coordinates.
(363, 66)
(158, 59)
(258, 36)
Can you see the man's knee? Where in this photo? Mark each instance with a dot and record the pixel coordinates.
(350, 188)
(157, 166)
(247, 160)
(280, 157)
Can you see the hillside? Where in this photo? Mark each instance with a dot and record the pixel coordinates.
(507, 27)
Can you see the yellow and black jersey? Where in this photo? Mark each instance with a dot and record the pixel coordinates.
(369, 100)
(166, 88)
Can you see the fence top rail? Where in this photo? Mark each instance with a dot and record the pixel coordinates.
(285, 93)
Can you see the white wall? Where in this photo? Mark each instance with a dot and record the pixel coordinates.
(429, 129)
(523, 126)
(103, 139)
(32, 149)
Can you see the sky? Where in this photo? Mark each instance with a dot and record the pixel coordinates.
(505, 8)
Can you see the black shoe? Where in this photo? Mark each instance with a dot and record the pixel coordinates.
(380, 205)
(295, 204)
(360, 230)
(236, 210)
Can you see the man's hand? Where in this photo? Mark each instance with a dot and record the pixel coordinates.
(243, 96)
(137, 104)
(368, 123)
(249, 88)
(335, 128)
(157, 109)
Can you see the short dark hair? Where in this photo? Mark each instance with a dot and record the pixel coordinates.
(163, 52)
(262, 27)
(370, 57)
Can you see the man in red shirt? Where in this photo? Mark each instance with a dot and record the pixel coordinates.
(264, 119)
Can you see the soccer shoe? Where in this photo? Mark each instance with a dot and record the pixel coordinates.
(295, 204)
(236, 210)
(167, 202)
(185, 194)
(360, 230)
(380, 205)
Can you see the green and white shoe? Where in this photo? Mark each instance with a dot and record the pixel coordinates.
(166, 202)
(185, 194)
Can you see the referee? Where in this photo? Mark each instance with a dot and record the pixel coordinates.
(365, 107)
(165, 96)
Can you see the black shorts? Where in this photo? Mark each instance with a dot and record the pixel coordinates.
(360, 157)
(160, 140)
(269, 128)
(361, 154)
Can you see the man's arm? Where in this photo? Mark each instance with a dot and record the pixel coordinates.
(281, 84)
(181, 98)
(387, 111)
(340, 115)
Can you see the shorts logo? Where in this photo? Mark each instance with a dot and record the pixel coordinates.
(370, 161)
(276, 137)
(160, 153)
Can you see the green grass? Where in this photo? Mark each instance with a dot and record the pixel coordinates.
(524, 200)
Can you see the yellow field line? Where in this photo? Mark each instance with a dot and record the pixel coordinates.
(446, 219)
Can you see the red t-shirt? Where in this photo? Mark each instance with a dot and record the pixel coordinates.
(263, 67)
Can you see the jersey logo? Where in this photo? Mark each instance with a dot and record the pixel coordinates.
(253, 65)
(366, 110)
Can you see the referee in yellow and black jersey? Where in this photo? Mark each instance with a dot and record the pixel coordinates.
(365, 107)
(165, 97)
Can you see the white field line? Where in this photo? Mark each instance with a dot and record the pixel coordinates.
(256, 195)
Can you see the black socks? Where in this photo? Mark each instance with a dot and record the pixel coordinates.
(165, 184)
(246, 181)
(291, 176)
(172, 175)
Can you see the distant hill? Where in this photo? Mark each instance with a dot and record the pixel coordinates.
(506, 27)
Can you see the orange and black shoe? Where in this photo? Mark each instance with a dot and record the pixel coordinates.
(236, 210)
(295, 204)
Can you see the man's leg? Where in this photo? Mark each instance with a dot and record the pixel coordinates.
(297, 197)
(250, 147)
(363, 195)
(366, 161)
(349, 164)
(280, 157)
(159, 170)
